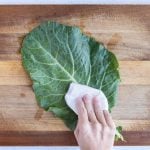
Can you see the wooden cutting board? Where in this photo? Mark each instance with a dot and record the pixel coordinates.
(125, 30)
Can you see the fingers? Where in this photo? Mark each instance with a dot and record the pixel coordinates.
(93, 113)
(108, 119)
(82, 113)
(89, 109)
(82, 116)
(98, 111)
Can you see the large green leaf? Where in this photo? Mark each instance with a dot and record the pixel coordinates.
(55, 55)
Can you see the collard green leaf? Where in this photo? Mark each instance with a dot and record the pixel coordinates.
(55, 55)
(118, 135)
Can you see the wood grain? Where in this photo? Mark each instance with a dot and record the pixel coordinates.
(132, 72)
(24, 123)
(129, 43)
(124, 30)
(23, 19)
(63, 138)
(37, 138)
(20, 112)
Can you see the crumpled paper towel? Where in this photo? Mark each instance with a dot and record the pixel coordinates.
(78, 90)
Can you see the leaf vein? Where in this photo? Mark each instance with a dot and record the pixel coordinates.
(61, 67)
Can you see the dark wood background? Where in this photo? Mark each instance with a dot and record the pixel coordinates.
(125, 30)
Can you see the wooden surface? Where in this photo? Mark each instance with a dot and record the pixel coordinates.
(125, 30)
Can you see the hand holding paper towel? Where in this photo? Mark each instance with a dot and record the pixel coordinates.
(78, 90)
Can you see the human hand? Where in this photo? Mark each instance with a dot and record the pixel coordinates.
(95, 129)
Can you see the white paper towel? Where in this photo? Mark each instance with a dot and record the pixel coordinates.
(78, 90)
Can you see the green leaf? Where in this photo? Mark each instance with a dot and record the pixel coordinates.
(55, 55)
(118, 135)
